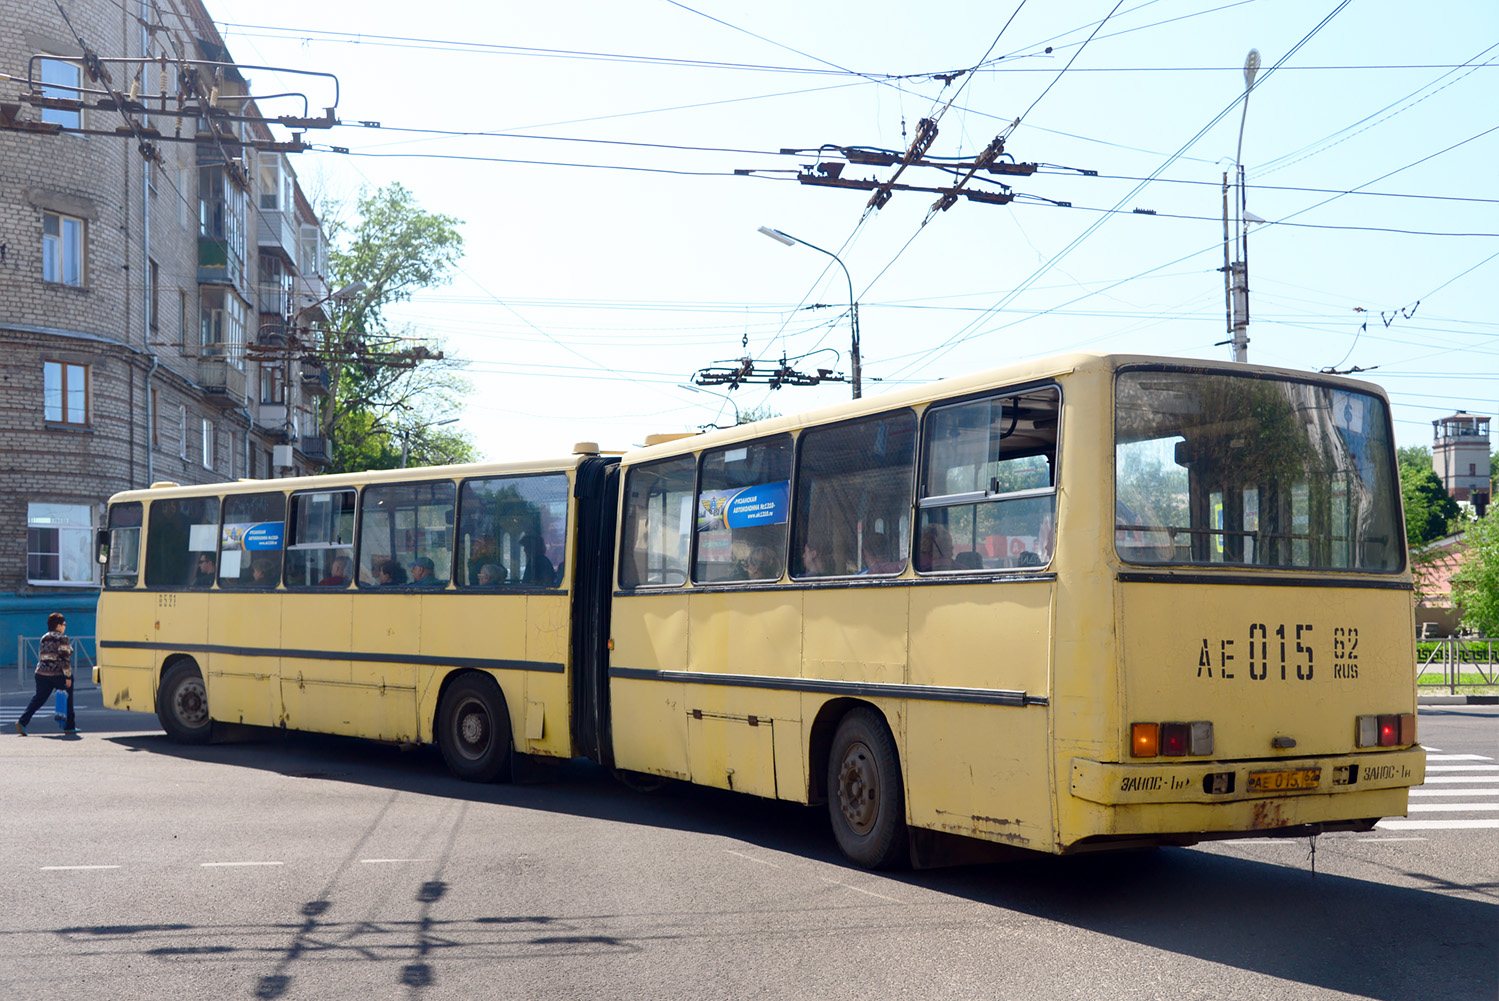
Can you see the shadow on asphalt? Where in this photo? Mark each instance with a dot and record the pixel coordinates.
(1337, 933)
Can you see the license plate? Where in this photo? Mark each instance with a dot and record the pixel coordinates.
(1285, 781)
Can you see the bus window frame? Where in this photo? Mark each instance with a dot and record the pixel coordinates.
(357, 549)
(975, 498)
(288, 547)
(224, 500)
(569, 478)
(137, 579)
(620, 551)
(700, 458)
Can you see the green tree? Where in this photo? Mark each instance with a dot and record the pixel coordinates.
(1429, 509)
(389, 387)
(1475, 586)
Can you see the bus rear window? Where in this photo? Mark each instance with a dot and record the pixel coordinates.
(1240, 470)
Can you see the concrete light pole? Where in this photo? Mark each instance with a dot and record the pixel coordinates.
(1236, 272)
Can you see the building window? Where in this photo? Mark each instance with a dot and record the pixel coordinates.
(207, 443)
(65, 392)
(153, 279)
(60, 79)
(62, 249)
(59, 544)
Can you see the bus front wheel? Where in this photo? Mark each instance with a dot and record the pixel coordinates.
(182, 704)
(866, 800)
(473, 729)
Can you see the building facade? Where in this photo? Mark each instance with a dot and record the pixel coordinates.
(148, 307)
(1460, 457)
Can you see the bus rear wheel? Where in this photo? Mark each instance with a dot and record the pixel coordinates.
(473, 729)
(866, 799)
(182, 704)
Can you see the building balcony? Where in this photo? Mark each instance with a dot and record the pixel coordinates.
(276, 234)
(222, 381)
(315, 447)
(314, 380)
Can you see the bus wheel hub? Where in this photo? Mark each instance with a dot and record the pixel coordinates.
(858, 789)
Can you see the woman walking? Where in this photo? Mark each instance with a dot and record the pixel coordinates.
(54, 672)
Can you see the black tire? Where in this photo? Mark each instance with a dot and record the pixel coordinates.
(866, 798)
(182, 704)
(473, 729)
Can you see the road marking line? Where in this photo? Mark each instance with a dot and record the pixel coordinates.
(368, 861)
(1451, 807)
(1462, 768)
(752, 858)
(226, 864)
(1458, 757)
(1447, 779)
(857, 890)
(1437, 825)
(57, 868)
(1454, 792)
(1390, 839)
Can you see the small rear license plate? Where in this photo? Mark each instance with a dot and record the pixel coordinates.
(1285, 781)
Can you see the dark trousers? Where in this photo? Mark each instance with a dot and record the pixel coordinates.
(46, 684)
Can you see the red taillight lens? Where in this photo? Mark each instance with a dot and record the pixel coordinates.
(1144, 740)
(1174, 739)
(1389, 731)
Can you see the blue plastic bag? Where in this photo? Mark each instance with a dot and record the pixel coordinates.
(60, 707)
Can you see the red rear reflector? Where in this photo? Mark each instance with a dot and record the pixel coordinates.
(1174, 739)
(1389, 731)
(1144, 740)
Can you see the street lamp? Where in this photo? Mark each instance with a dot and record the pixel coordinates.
(722, 396)
(407, 432)
(853, 307)
(1237, 272)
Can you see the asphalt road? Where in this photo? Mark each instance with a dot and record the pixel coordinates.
(311, 867)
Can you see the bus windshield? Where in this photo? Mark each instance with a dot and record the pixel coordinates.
(1253, 471)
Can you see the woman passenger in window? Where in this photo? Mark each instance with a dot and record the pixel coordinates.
(338, 573)
(491, 575)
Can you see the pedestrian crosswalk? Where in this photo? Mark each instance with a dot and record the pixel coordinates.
(1461, 793)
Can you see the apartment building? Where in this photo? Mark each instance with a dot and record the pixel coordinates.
(145, 307)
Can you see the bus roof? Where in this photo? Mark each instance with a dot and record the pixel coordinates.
(1019, 373)
(335, 480)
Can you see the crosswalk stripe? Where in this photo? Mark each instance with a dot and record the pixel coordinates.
(1452, 807)
(1438, 825)
(1462, 768)
(1418, 791)
(1458, 757)
(1455, 779)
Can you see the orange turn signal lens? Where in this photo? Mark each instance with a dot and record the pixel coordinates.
(1408, 728)
(1144, 740)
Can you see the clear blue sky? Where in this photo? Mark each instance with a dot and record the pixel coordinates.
(589, 292)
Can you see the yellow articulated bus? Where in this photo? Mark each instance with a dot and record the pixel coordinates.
(1077, 603)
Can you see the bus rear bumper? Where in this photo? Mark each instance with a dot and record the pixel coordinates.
(1163, 781)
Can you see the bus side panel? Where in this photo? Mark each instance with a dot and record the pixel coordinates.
(182, 622)
(545, 712)
(982, 769)
(315, 679)
(649, 718)
(383, 692)
(855, 634)
(490, 625)
(127, 678)
(244, 685)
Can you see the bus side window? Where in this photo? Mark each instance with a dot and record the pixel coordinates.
(250, 542)
(743, 505)
(410, 525)
(853, 497)
(656, 535)
(512, 530)
(320, 530)
(989, 498)
(179, 531)
(124, 545)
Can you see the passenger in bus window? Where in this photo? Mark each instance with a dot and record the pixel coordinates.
(261, 574)
(539, 571)
(877, 555)
(338, 573)
(205, 575)
(812, 562)
(761, 564)
(935, 551)
(392, 574)
(491, 575)
(422, 570)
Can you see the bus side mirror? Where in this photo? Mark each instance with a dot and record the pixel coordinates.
(101, 543)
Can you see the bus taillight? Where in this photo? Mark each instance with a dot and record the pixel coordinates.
(1386, 731)
(1171, 740)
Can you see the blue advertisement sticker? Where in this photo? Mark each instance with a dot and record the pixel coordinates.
(266, 535)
